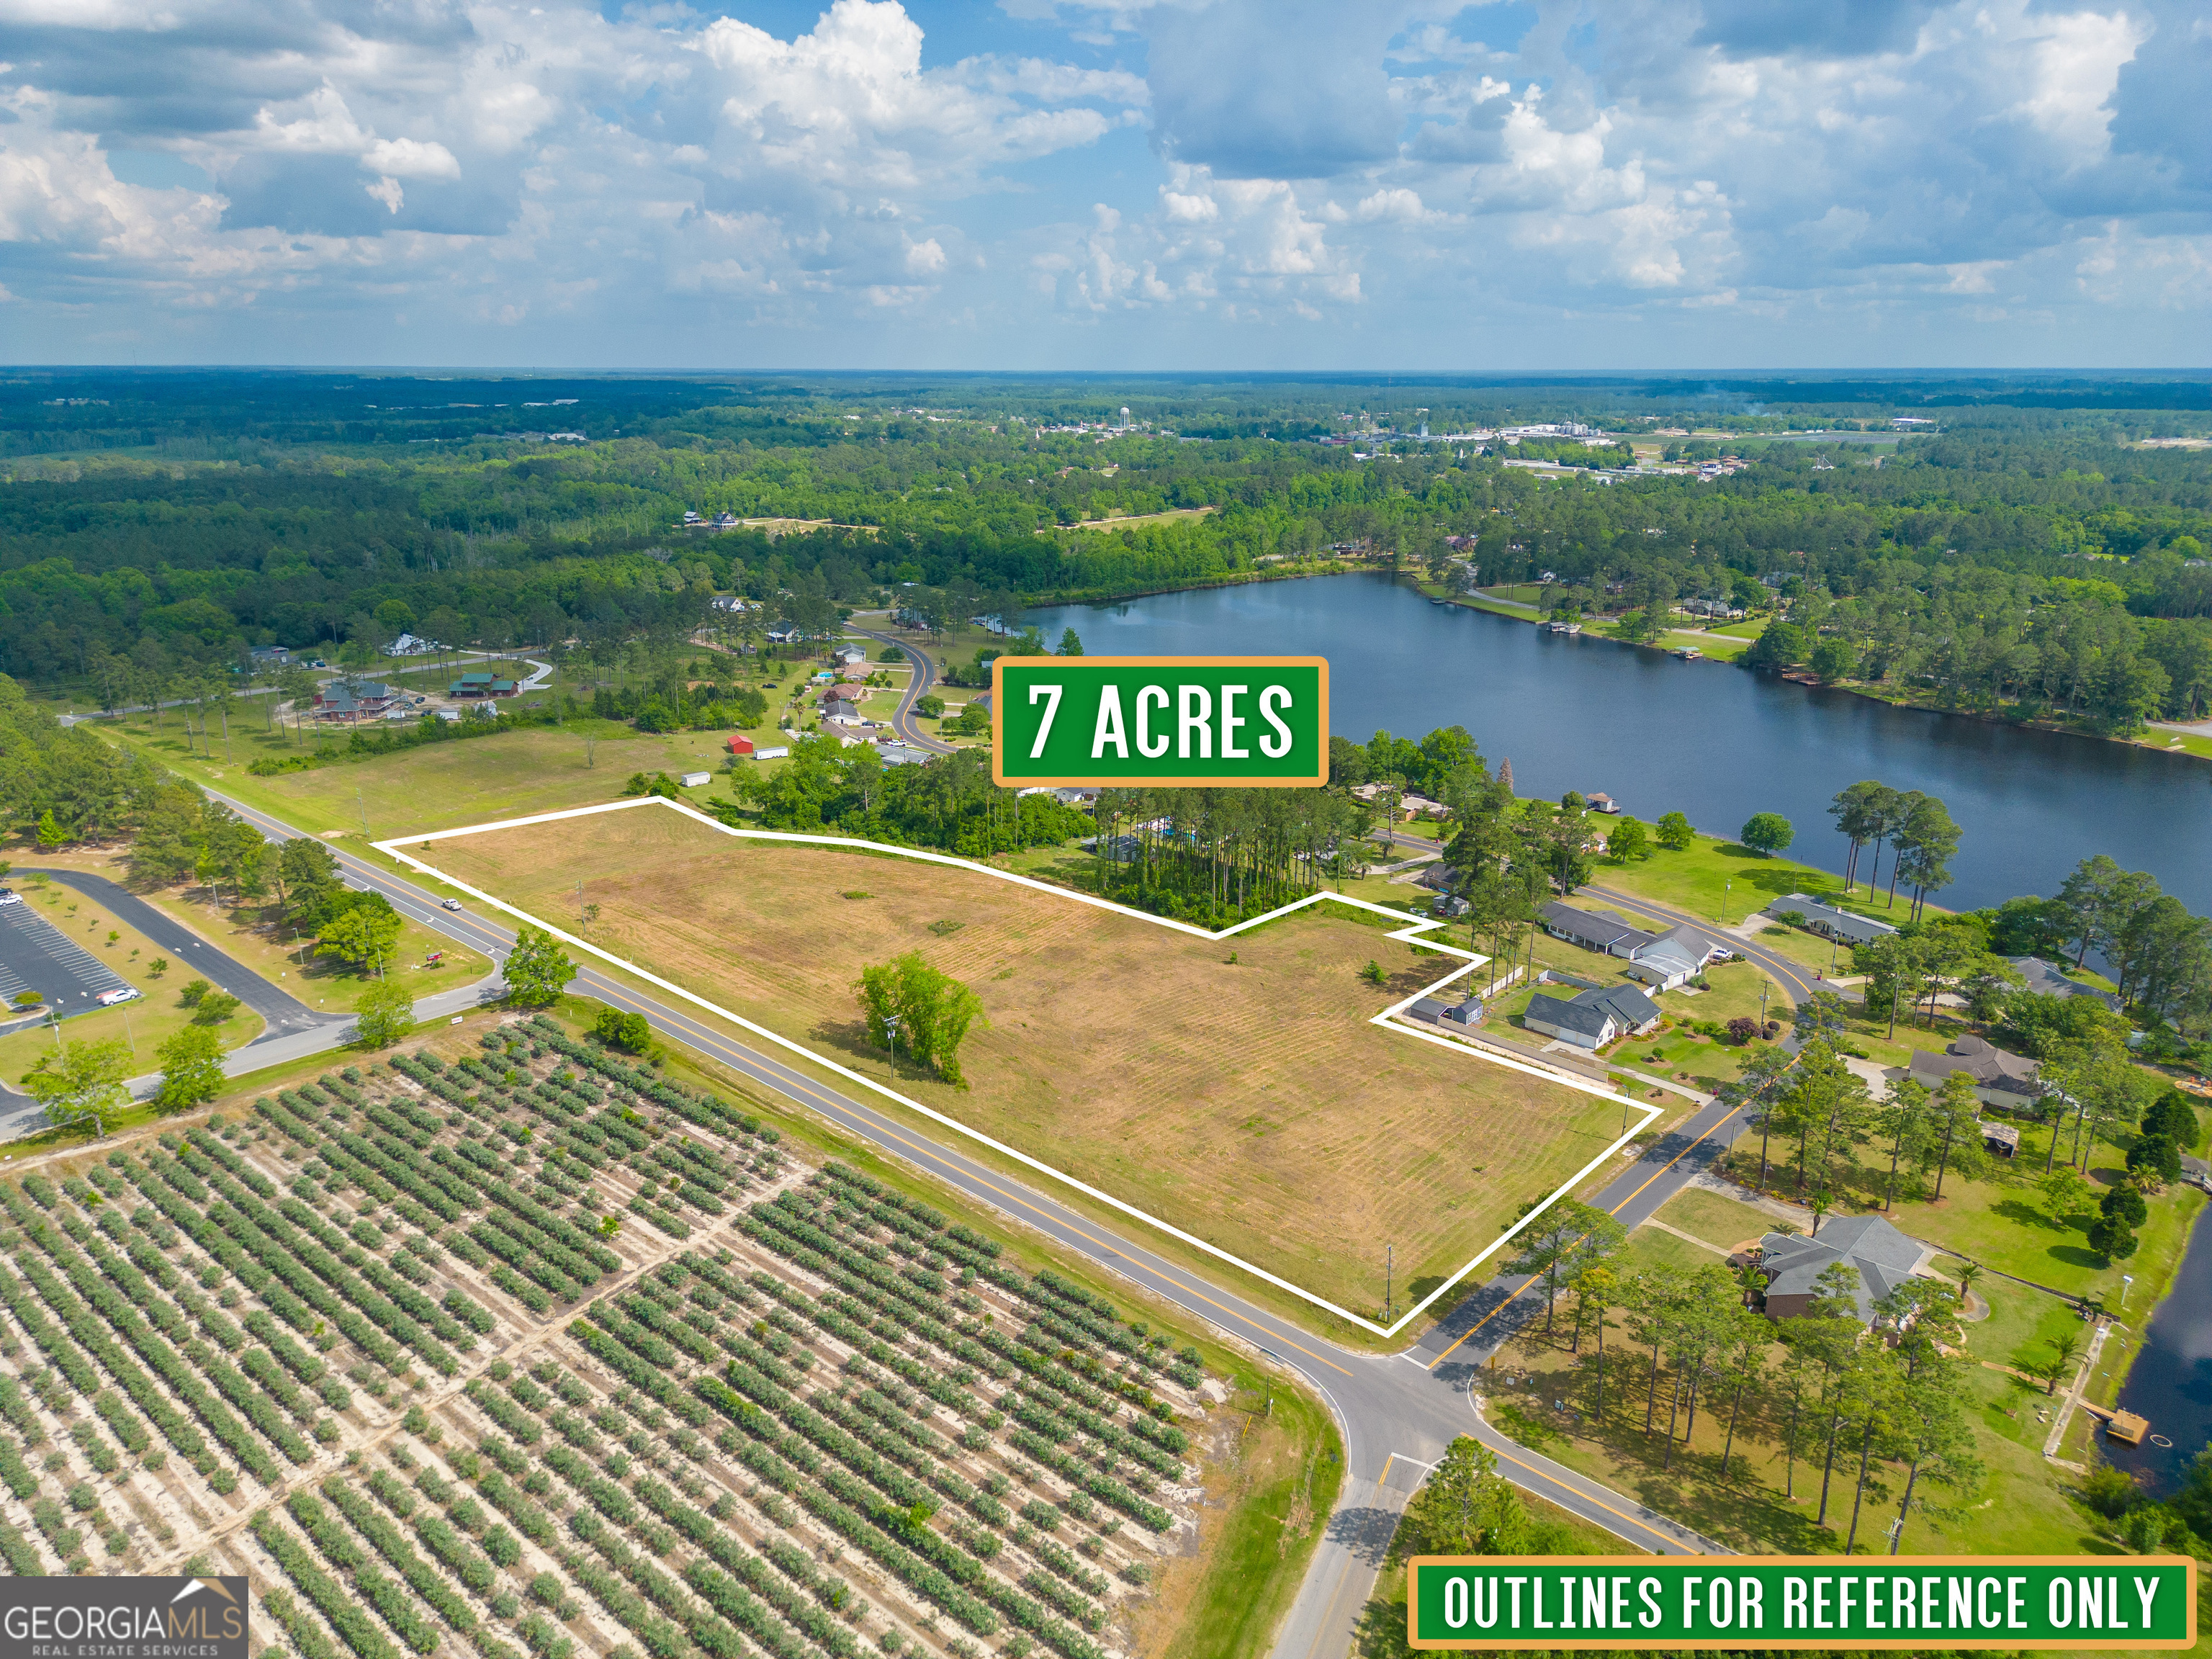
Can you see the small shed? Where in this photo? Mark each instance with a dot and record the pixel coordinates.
(739, 744)
(2002, 1140)
(693, 779)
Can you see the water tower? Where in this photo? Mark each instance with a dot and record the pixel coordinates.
(1125, 417)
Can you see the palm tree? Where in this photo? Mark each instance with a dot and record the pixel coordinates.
(2064, 1347)
(1969, 1275)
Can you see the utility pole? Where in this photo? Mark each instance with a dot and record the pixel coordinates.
(891, 1023)
(583, 921)
(1389, 1280)
(363, 806)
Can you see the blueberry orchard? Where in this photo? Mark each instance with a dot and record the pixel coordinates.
(1174, 722)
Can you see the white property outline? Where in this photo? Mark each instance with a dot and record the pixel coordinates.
(1388, 1018)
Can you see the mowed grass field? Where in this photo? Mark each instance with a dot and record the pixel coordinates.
(446, 785)
(1251, 1104)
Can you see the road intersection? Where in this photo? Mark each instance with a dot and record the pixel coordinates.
(1397, 1412)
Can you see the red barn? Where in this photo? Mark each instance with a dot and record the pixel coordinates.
(740, 745)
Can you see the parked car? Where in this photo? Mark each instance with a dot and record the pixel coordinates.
(9, 896)
(120, 993)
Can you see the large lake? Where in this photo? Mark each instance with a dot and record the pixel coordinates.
(1717, 742)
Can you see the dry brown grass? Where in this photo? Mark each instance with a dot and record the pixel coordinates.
(1252, 1105)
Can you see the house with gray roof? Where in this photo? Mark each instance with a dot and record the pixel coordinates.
(1593, 1017)
(1883, 1257)
(1608, 935)
(2047, 979)
(1999, 1079)
(1827, 921)
(1664, 960)
(1681, 953)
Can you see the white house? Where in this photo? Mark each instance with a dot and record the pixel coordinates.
(1593, 1018)
(1827, 921)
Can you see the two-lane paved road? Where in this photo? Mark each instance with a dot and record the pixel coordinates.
(1397, 1412)
(918, 685)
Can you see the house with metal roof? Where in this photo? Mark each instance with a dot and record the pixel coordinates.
(1883, 1257)
(1608, 935)
(1681, 953)
(1827, 921)
(354, 700)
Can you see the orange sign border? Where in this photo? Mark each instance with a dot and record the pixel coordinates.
(1023, 781)
(1827, 1563)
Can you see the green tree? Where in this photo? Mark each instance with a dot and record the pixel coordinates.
(51, 833)
(1953, 1142)
(1626, 840)
(1673, 831)
(1466, 1508)
(1070, 646)
(933, 1010)
(80, 1078)
(537, 969)
(619, 1028)
(365, 934)
(1767, 832)
(1560, 1243)
(2111, 1238)
(191, 1068)
(384, 1014)
(308, 875)
(214, 1007)
(1903, 1120)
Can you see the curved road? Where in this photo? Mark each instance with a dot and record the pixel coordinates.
(1797, 980)
(918, 685)
(1397, 1412)
(284, 1012)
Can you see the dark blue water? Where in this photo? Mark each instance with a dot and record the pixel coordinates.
(1717, 742)
(2171, 1382)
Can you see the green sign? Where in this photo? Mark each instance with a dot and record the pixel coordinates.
(2015, 1601)
(1253, 722)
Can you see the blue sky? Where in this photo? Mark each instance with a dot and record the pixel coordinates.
(1039, 184)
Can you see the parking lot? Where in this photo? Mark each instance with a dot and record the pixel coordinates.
(36, 956)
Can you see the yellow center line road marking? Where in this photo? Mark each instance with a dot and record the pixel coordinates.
(1616, 1210)
(1597, 1503)
(803, 1089)
(1416, 931)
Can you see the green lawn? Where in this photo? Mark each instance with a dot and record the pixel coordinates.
(1720, 647)
(1718, 1220)
(446, 784)
(1545, 1395)
(1715, 878)
(2004, 1222)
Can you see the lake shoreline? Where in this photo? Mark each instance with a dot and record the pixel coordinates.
(1636, 726)
(1502, 608)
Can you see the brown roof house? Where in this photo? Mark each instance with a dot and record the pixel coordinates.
(1999, 1079)
(1884, 1258)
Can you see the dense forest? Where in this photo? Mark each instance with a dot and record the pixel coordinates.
(2030, 550)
